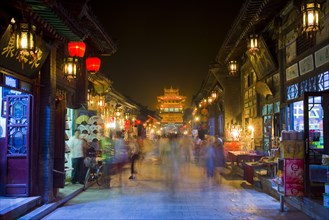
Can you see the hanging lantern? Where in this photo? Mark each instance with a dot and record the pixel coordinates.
(214, 94)
(233, 67)
(25, 37)
(310, 10)
(93, 64)
(76, 48)
(70, 68)
(253, 43)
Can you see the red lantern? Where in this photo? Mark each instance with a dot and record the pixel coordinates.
(76, 48)
(93, 64)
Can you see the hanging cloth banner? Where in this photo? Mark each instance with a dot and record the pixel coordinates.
(21, 62)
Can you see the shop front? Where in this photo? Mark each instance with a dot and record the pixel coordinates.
(16, 127)
(307, 112)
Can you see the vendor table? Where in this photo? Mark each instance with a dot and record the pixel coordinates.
(252, 169)
(237, 157)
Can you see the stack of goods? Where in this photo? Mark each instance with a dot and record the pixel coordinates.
(292, 151)
(292, 145)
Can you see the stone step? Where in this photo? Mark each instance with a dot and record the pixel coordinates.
(12, 208)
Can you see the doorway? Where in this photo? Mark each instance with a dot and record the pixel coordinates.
(316, 130)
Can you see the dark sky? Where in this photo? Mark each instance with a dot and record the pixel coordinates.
(163, 43)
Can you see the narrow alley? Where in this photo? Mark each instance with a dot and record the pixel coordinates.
(192, 197)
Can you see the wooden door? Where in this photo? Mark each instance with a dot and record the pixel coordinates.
(17, 155)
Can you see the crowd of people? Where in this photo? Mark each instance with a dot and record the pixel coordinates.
(175, 153)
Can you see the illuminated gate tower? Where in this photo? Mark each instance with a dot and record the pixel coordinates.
(171, 106)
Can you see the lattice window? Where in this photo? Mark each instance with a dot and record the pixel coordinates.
(323, 81)
(292, 91)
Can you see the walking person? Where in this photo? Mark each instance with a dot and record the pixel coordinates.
(107, 152)
(78, 147)
(210, 159)
(134, 155)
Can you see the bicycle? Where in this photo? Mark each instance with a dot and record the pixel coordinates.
(94, 173)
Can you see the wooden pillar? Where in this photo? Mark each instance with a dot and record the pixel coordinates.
(47, 126)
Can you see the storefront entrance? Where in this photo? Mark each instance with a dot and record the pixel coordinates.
(15, 142)
(316, 129)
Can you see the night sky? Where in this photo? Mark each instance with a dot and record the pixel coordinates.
(163, 43)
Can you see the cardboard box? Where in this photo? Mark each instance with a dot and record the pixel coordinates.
(292, 149)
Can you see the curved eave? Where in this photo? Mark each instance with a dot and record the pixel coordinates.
(57, 18)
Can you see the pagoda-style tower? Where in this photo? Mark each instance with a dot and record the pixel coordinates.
(171, 107)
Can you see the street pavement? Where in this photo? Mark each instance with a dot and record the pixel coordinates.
(190, 195)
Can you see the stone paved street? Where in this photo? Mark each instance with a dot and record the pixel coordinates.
(150, 196)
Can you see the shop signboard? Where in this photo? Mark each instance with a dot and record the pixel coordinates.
(262, 62)
(24, 63)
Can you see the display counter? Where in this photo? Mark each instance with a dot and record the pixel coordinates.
(253, 170)
(239, 157)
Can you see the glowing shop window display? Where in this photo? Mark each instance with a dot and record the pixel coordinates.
(315, 120)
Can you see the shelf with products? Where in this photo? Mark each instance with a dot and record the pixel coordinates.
(68, 135)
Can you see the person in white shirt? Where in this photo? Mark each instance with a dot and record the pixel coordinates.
(77, 146)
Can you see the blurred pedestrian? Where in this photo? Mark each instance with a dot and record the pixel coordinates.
(210, 159)
(134, 155)
(219, 146)
(78, 147)
(107, 152)
(186, 145)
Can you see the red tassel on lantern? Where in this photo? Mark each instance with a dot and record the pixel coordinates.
(76, 48)
(93, 64)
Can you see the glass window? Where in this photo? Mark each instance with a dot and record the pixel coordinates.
(292, 91)
(264, 110)
(323, 81)
(270, 108)
(298, 116)
(277, 107)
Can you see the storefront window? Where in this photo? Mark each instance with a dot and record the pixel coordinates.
(315, 122)
(298, 116)
(312, 84)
